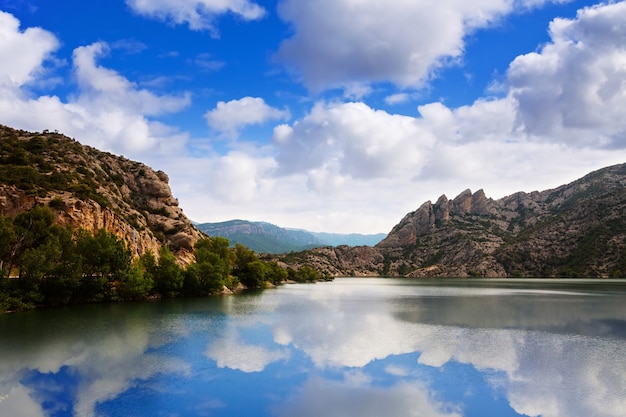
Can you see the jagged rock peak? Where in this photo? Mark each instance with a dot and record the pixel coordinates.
(575, 230)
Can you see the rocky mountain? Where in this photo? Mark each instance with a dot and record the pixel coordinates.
(268, 238)
(90, 189)
(576, 230)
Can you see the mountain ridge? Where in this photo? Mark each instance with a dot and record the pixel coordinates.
(264, 237)
(575, 230)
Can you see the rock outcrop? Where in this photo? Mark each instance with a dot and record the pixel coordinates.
(92, 190)
(576, 230)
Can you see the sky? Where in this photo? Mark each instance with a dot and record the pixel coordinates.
(328, 115)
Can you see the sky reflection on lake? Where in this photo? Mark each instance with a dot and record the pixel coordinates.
(354, 347)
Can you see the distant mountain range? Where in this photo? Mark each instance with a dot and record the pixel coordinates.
(264, 237)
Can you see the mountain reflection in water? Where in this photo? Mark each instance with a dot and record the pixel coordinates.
(353, 347)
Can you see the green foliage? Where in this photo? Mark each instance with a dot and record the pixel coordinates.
(168, 276)
(135, 283)
(305, 273)
(247, 267)
(274, 273)
(59, 266)
(211, 269)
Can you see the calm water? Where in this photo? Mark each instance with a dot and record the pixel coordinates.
(353, 347)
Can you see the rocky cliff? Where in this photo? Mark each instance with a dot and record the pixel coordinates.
(90, 189)
(576, 230)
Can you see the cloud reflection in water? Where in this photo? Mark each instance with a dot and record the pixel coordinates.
(347, 348)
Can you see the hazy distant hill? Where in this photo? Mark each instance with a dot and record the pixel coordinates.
(576, 230)
(268, 238)
(353, 239)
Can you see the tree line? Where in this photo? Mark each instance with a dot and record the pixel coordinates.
(43, 263)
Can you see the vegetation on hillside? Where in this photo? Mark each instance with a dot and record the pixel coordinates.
(49, 167)
(36, 165)
(44, 264)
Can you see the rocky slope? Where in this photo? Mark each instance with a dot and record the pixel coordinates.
(576, 230)
(90, 189)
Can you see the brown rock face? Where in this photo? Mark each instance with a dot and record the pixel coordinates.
(576, 230)
(93, 190)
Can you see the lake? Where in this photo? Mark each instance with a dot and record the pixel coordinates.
(353, 347)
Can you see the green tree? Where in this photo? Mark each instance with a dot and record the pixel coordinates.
(135, 284)
(7, 238)
(306, 273)
(168, 276)
(247, 267)
(31, 230)
(275, 273)
(105, 260)
(211, 269)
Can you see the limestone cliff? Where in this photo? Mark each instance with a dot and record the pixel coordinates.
(576, 230)
(90, 189)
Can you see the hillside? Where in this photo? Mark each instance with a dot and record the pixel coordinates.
(350, 239)
(576, 230)
(268, 238)
(90, 189)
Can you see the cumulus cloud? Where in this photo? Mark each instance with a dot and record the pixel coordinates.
(338, 42)
(230, 117)
(352, 138)
(107, 111)
(237, 177)
(23, 52)
(108, 89)
(565, 99)
(198, 14)
(574, 89)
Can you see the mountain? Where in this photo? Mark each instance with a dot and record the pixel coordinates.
(352, 239)
(268, 238)
(260, 236)
(576, 230)
(90, 189)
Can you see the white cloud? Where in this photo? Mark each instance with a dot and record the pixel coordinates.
(534, 359)
(397, 98)
(230, 117)
(230, 352)
(345, 399)
(237, 177)
(353, 140)
(198, 14)
(563, 109)
(22, 52)
(109, 358)
(18, 401)
(106, 88)
(108, 111)
(559, 118)
(338, 42)
(574, 90)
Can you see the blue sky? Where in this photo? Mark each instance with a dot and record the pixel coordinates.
(328, 115)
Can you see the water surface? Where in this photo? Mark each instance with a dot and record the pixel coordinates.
(353, 347)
